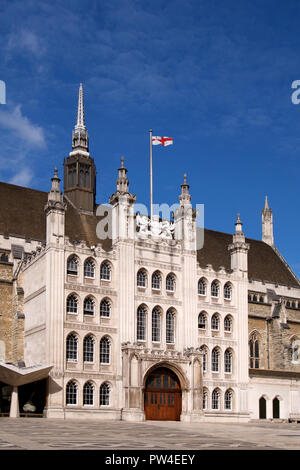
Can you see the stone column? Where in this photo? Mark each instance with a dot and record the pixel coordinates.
(14, 404)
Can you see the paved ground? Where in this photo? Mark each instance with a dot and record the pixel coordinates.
(46, 434)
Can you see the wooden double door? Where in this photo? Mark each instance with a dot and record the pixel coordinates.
(162, 396)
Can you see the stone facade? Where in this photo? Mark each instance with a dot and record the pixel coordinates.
(107, 314)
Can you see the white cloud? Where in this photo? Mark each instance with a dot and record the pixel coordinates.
(22, 178)
(15, 121)
(25, 40)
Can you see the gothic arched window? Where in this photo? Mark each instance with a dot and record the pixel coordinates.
(156, 280)
(89, 269)
(227, 323)
(202, 287)
(105, 271)
(72, 304)
(88, 306)
(227, 291)
(72, 266)
(215, 289)
(71, 393)
(105, 350)
(254, 352)
(105, 394)
(156, 314)
(88, 393)
(105, 308)
(228, 400)
(215, 399)
(228, 361)
(141, 323)
(215, 322)
(170, 326)
(215, 356)
(170, 283)
(88, 349)
(202, 321)
(141, 278)
(72, 347)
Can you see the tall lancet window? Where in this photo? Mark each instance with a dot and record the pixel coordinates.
(156, 324)
(254, 351)
(84, 176)
(72, 175)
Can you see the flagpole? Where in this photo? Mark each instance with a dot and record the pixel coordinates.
(151, 185)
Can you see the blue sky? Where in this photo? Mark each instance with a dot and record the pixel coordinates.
(216, 76)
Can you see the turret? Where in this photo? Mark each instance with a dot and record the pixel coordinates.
(122, 202)
(239, 250)
(267, 224)
(55, 212)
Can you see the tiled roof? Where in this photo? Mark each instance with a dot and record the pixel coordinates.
(22, 213)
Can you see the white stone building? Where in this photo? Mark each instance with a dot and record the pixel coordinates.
(144, 327)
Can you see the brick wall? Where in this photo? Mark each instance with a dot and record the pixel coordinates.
(11, 314)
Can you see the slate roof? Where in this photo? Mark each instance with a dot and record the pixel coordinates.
(22, 213)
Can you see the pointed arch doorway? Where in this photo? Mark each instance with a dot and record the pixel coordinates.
(162, 395)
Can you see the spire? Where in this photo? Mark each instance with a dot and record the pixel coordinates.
(266, 203)
(185, 197)
(267, 224)
(80, 136)
(80, 110)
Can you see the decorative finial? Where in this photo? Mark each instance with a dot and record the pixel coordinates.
(122, 162)
(266, 203)
(55, 171)
(184, 178)
(238, 218)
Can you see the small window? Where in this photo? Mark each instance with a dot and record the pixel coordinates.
(228, 400)
(72, 266)
(170, 283)
(201, 287)
(105, 351)
(141, 323)
(88, 349)
(105, 308)
(228, 361)
(71, 393)
(227, 324)
(215, 322)
(170, 327)
(156, 325)
(215, 289)
(141, 278)
(88, 394)
(215, 400)
(215, 355)
(88, 306)
(72, 304)
(203, 350)
(105, 271)
(156, 281)
(89, 269)
(261, 299)
(72, 347)
(204, 402)
(105, 395)
(202, 321)
(227, 291)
